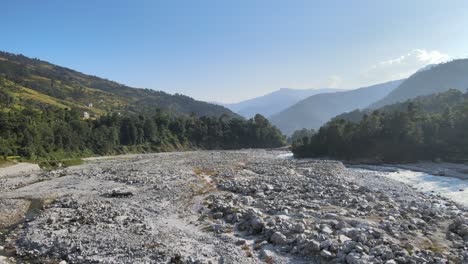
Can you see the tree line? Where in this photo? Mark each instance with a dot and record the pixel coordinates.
(407, 133)
(36, 132)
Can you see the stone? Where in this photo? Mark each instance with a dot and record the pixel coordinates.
(247, 200)
(257, 224)
(326, 254)
(343, 238)
(278, 239)
(299, 228)
(311, 246)
(326, 230)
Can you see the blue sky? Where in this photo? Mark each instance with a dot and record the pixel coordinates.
(232, 50)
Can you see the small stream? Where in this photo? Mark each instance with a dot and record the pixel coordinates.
(34, 209)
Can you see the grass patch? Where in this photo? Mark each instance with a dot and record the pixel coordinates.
(205, 171)
(5, 163)
(60, 163)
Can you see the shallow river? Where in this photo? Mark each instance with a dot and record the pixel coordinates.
(452, 188)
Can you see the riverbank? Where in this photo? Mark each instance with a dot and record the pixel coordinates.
(244, 206)
(18, 168)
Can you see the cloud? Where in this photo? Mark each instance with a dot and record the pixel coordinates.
(334, 81)
(403, 66)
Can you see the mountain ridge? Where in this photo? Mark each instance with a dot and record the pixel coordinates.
(434, 79)
(316, 110)
(46, 83)
(273, 102)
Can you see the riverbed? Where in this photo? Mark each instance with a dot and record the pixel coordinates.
(453, 188)
(449, 187)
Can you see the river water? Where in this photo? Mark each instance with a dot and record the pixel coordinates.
(452, 188)
(449, 187)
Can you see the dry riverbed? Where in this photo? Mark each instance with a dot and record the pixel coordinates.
(224, 207)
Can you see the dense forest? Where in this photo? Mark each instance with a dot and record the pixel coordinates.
(37, 132)
(405, 132)
(48, 112)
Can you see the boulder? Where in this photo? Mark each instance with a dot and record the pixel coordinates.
(278, 239)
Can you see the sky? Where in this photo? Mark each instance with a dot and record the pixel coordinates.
(227, 51)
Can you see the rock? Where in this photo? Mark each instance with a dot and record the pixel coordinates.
(299, 228)
(247, 200)
(311, 246)
(267, 255)
(326, 230)
(326, 254)
(218, 215)
(343, 238)
(278, 239)
(348, 246)
(257, 224)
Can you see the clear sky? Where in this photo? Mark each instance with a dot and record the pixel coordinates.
(226, 51)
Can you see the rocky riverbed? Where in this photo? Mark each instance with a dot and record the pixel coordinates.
(225, 207)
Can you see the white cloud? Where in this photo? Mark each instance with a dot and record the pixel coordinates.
(334, 81)
(403, 66)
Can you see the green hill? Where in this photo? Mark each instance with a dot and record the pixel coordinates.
(426, 128)
(434, 103)
(316, 110)
(34, 81)
(439, 78)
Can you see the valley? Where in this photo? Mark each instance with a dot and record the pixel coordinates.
(245, 206)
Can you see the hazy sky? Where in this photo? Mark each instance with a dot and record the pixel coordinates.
(232, 50)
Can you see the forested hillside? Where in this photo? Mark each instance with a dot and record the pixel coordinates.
(50, 112)
(394, 134)
(435, 103)
(436, 79)
(316, 110)
(56, 133)
(34, 80)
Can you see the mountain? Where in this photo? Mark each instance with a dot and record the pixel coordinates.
(433, 103)
(32, 81)
(275, 102)
(436, 79)
(316, 110)
(426, 128)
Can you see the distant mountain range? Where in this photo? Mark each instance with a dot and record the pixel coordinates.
(36, 82)
(316, 110)
(435, 79)
(275, 102)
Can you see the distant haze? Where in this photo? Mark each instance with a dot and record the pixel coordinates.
(274, 102)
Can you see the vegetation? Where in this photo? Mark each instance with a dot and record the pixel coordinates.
(436, 79)
(55, 116)
(300, 135)
(405, 132)
(37, 132)
(28, 80)
(318, 109)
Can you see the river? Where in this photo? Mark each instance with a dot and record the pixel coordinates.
(449, 187)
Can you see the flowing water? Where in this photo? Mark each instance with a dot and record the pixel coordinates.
(452, 188)
(449, 187)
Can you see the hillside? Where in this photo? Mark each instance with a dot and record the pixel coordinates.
(430, 128)
(436, 79)
(275, 102)
(316, 110)
(434, 103)
(32, 81)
